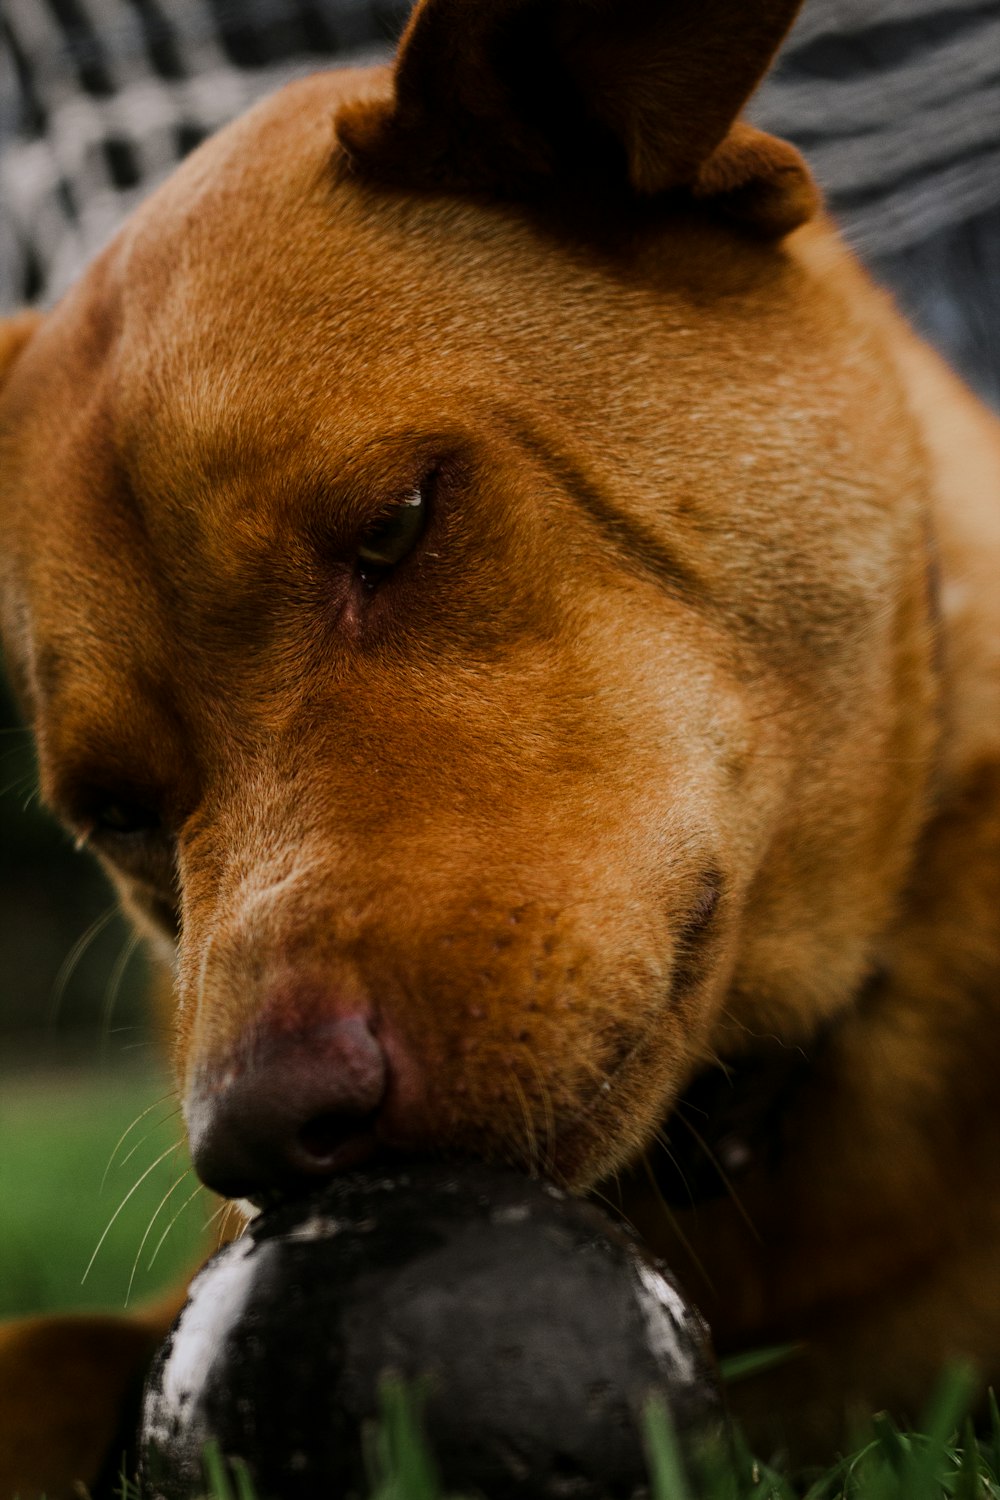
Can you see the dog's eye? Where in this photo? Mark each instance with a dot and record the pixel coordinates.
(386, 543)
(122, 819)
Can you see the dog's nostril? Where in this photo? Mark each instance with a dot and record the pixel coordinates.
(300, 1105)
(323, 1138)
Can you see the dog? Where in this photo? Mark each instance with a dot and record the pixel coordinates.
(515, 612)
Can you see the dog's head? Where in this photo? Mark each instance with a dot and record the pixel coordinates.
(465, 573)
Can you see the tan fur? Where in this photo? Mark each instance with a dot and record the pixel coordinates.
(673, 637)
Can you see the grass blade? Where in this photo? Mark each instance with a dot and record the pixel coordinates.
(399, 1460)
(663, 1455)
(756, 1361)
(216, 1472)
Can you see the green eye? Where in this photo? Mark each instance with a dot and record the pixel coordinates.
(391, 539)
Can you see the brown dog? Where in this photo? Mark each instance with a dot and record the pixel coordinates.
(517, 615)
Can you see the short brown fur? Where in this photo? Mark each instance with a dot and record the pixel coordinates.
(679, 729)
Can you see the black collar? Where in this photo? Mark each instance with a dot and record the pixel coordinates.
(733, 1119)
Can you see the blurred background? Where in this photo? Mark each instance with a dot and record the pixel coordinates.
(896, 103)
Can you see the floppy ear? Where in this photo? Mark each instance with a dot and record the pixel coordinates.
(516, 96)
(14, 334)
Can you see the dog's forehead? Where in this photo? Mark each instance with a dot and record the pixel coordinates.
(276, 315)
(266, 314)
(268, 324)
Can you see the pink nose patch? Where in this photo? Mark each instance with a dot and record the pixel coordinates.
(298, 1105)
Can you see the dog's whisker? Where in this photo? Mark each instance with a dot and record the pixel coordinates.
(724, 1178)
(222, 1214)
(225, 1207)
(170, 1115)
(235, 1209)
(160, 1242)
(604, 1081)
(242, 1228)
(15, 753)
(545, 1094)
(73, 958)
(129, 1129)
(675, 1226)
(601, 1197)
(529, 1124)
(116, 978)
(731, 1019)
(662, 1141)
(133, 1189)
(221, 1217)
(23, 782)
(149, 1229)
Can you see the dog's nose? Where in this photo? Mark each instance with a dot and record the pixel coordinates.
(301, 1105)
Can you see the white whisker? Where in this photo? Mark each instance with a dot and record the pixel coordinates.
(128, 1131)
(149, 1229)
(134, 1188)
(159, 1244)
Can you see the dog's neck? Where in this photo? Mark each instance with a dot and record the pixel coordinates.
(732, 1119)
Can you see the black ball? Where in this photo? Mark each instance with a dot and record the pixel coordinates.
(534, 1328)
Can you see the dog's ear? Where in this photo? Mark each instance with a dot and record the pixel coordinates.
(14, 334)
(515, 96)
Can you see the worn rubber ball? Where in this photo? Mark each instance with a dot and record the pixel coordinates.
(531, 1329)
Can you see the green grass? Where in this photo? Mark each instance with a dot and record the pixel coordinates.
(61, 1131)
(58, 1136)
(947, 1461)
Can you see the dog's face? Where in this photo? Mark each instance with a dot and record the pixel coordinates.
(487, 647)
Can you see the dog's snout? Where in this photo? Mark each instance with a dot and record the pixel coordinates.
(301, 1105)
